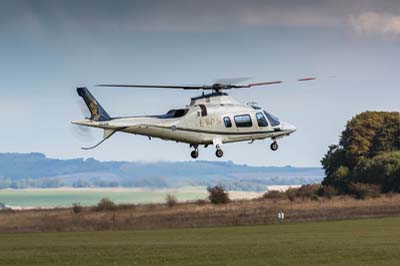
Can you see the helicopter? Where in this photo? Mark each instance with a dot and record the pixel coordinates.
(213, 118)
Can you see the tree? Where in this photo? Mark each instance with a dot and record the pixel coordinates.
(218, 195)
(367, 153)
(171, 200)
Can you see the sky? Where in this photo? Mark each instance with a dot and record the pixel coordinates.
(48, 48)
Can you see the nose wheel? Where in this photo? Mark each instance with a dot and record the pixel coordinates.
(274, 146)
(219, 153)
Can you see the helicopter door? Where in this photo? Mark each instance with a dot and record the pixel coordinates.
(203, 110)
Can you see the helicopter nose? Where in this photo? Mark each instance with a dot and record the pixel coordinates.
(289, 127)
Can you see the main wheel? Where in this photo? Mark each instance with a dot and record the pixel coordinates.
(219, 153)
(274, 146)
(194, 154)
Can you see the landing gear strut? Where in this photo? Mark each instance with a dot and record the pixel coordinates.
(274, 146)
(195, 152)
(219, 153)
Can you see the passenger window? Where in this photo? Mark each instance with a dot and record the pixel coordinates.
(243, 121)
(203, 110)
(262, 122)
(227, 122)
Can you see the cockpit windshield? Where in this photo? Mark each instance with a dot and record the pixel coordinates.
(273, 120)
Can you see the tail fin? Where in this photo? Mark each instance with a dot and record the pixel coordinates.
(97, 112)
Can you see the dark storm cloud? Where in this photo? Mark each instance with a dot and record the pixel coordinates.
(129, 16)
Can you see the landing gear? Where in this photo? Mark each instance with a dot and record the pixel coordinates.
(219, 153)
(274, 146)
(195, 152)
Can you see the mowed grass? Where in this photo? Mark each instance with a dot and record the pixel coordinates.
(352, 242)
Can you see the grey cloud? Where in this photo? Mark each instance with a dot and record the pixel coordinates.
(41, 16)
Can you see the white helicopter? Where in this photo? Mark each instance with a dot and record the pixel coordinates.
(212, 118)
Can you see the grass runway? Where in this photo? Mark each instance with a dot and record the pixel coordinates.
(353, 242)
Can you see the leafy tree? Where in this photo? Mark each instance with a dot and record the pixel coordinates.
(368, 152)
(218, 195)
(105, 204)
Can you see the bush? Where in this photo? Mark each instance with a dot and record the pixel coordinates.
(218, 195)
(105, 204)
(364, 191)
(307, 191)
(202, 202)
(291, 193)
(327, 191)
(275, 194)
(171, 200)
(314, 197)
(76, 207)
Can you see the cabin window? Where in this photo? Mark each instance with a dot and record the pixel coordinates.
(243, 121)
(227, 122)
(262, 122)
(273, 120)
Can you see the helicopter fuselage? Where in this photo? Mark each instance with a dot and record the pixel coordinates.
(213, 118)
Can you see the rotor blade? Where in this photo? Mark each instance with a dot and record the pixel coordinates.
(82, 133)
(156, 86)
(256, 84)
(232, 80)
(268, 83)
(307, 79)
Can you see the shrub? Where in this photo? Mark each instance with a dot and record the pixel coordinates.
(291, 193)
(76, 208)
(327, 191)
(314, 197)
(364, 191)
(171, 200)
(275, 194)
(218, 195)
(201, 202)
(105, 204)
(307, 191)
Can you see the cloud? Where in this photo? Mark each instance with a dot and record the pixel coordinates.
(157, 15)
(376, 23)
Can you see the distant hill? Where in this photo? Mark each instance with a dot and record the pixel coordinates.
(36, 170)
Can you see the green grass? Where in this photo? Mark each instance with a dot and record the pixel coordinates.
(357, 242)
(62, 198)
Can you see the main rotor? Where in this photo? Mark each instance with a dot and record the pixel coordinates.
(215, 88)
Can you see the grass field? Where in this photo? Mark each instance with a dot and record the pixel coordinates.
(64, 197)
(353, 242)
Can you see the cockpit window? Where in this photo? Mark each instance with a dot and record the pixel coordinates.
(273, 120)
(262, 122)
(175, 113)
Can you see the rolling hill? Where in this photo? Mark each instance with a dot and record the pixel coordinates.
(21, 170)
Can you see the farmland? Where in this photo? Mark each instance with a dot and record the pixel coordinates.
(64, 197)
(352, 242)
